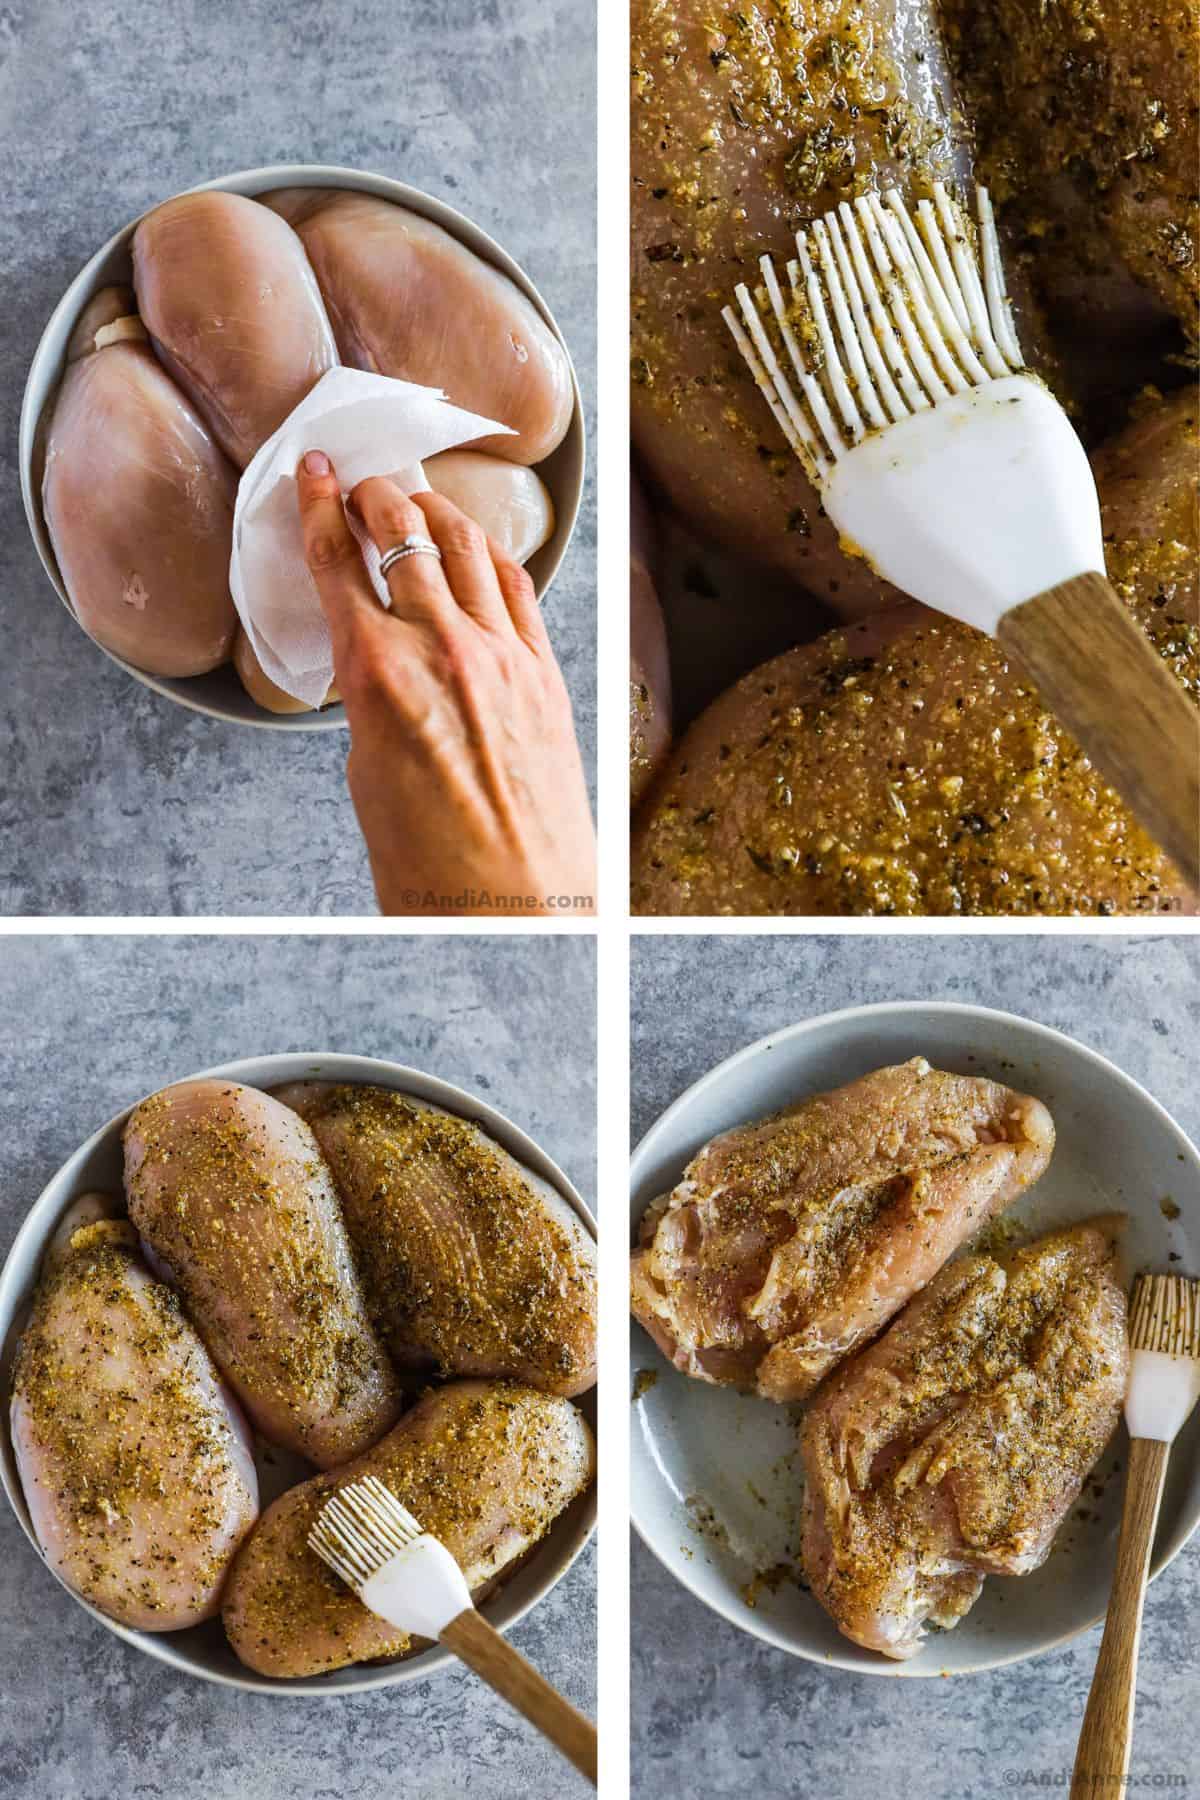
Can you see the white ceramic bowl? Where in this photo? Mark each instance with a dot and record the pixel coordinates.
(221, 695)
(204, 1650)
(735, 1455)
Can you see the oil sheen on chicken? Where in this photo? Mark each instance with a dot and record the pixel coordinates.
(747, 122)
(790, 1242)
(135, 1460)
(954, 1447)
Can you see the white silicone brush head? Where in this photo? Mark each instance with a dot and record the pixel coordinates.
(1164, 1363)
(397, 1570)
(956, 474)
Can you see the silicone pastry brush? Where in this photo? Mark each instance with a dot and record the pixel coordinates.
(1163, 1387)
(410, 1579)
(892, 367)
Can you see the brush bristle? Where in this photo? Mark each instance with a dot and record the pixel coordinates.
(360, 1529)
(1164, 1315)
(883, 316)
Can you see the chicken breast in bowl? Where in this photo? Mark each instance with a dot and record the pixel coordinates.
(471, 1264)
(954, 1447)
(135, 1459)
(792, 1241)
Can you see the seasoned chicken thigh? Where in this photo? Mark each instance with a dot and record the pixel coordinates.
(792, 1241)
(134, 1458)
(954, 1447)
(486, 1467)
(471, 1264)
(235, 1204)
(138, 501)
(227, 294)
(409, 300)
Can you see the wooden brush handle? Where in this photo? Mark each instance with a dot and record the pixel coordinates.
(495, 1661)
(1102, 1759)
(1100, 676)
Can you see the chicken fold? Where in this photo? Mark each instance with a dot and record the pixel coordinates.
(792, 1241)
(953, 1448)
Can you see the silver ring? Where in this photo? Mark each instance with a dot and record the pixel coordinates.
(413, 545)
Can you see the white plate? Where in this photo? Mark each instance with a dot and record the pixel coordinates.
(221, 695)
(204, 1650)
(733, 1457)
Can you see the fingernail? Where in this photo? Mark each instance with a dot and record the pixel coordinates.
(316, 463)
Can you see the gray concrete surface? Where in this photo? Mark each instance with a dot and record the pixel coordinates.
(101, 1021)
(112, 800)
(718, 1715)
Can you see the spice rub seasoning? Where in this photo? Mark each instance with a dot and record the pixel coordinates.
(138, 1478)
(470, 1264)
(485, 1467)
(791, 1240)
(956, 1445)
(231, 1193)
(1088, 124)
(748, 121)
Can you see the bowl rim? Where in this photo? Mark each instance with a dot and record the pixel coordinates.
(35, 1229)
(745, 1619)
(74, 297)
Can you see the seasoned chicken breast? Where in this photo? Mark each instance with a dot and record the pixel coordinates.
(134, 1458)
(954, 1447)
(746, 123)
(905, 766)
(138, 501)
(792, 1241)
(471, 1264)
(227, 294)
(486, 1467)
(233, 1199)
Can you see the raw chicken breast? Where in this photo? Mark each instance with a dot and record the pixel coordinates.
(955, 1446)
(236, 1206)
(138, 501)
(790, 1242)
(486, 1467)
(512, 503)
(258, 684)
(134, 1458)
(228, 296)
(471, 1264)
(407, 299)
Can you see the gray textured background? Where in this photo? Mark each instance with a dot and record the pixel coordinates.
(103, 1020)
(718, 1715)
(112, 800)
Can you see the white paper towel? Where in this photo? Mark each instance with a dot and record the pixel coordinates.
(367, 425)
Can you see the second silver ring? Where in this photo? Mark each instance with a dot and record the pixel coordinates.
(413, 545)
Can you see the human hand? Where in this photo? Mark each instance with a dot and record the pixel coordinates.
(464, 769)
